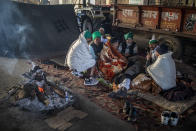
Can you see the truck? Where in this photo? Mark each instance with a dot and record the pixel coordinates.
(92, 17)
(173, 25)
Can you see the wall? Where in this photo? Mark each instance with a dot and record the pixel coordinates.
(54, 2)
(29, 1)
(123, 1)
(100, 2)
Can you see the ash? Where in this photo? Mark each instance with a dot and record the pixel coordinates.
(38, 94)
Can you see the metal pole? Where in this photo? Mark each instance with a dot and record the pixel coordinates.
(114, 13)
(84, 3)
(193, 5)
(187, 2)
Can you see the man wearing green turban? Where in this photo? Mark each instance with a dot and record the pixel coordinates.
(128, 36)
(129, 47)
(96, 35)
(79, 58)
(151, 57)
(95, 48)
(103, 36)
(88, 36)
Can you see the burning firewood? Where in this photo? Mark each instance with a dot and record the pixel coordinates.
(57, 90)
(39, 94)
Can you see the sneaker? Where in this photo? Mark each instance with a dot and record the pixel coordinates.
(121, 93)
(91, 81)
(126, 107)
(73, 72)
(78, 74)
(126, 83)
(132, 114)
(174, 119)
(165, 116)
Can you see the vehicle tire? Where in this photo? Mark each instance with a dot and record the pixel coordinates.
(87, 25)
(174, 45)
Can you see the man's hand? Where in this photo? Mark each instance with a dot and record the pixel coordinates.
(124, 59)
(148, 56)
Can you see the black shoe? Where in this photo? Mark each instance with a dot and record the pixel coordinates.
(132, 114)
(121, 93)
(126, 107)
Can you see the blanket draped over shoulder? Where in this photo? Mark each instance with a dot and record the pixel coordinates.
(163, 71)
(79, 57)
(111, 62)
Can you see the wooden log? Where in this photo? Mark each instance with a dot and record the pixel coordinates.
(57, 90)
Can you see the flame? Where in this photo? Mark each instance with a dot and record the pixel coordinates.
(41, 89)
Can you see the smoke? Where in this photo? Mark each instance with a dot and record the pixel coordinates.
(14, 35)
(13, 30)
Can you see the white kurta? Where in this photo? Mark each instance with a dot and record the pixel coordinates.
(163, 71)
(79, 57)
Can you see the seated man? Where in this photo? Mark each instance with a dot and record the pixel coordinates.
(79, 58)
(163, 70)
(136, 63)
(103, 37)
(151, 57)
(129, 47)
(111, 61)
(95, 48)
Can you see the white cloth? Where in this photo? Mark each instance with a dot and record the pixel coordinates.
(126, 83)
(153, 55)
(103, 40)
(163, 71)
(79, 57)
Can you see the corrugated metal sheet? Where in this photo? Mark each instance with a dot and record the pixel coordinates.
(128, 15)
(170, 19)
(179, 19)
(190, 21)
(149, 17)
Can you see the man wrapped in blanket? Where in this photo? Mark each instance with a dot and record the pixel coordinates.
(130, 50)
(79, 58)
(111, 61)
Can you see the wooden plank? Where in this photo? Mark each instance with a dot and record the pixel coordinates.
(55, 122)
(69, 116)
(67, 110)
(65, 126)
(81, 115)
(61, 121)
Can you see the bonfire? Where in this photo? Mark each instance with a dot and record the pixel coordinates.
(39, 94)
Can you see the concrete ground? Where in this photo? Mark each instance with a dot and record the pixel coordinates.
(189, 122)
(14, 119)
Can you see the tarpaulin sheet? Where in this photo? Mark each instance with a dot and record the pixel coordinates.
(27, 29)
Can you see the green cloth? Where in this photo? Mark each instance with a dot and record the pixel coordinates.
(96, 34)
(128, 35)
(153, 41)
(87, 34)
